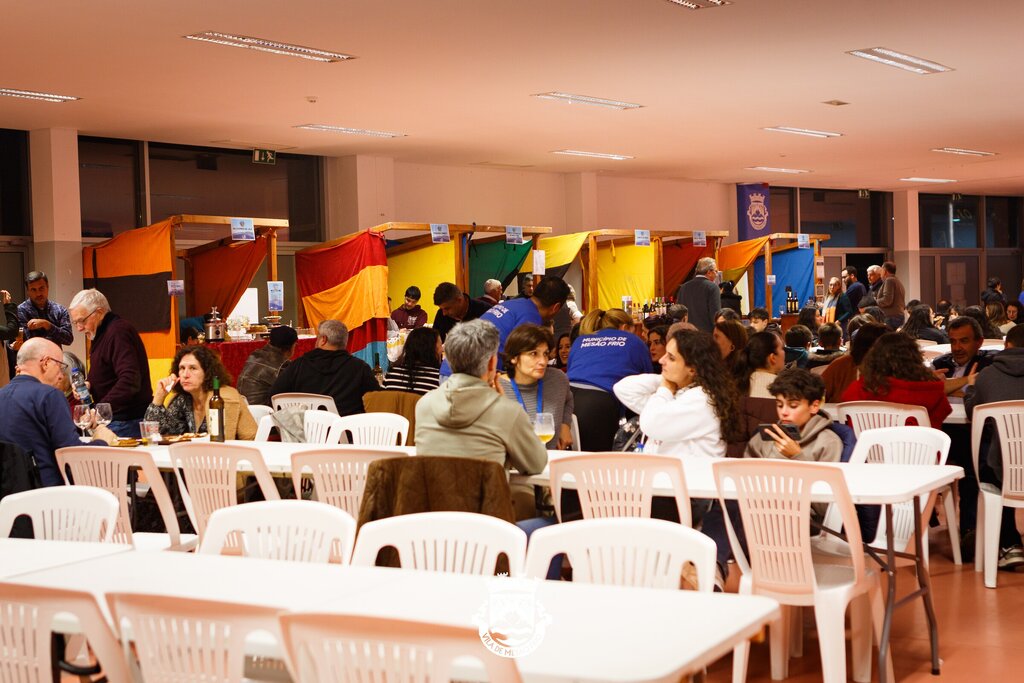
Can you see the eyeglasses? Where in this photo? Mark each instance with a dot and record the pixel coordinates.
(82, 320)
(63, 366)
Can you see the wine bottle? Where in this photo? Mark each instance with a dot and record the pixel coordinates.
(215, 414)
(378, 373)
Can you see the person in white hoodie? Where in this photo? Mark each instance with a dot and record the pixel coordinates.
(689, 409)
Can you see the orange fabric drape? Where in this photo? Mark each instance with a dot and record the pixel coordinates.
(220, 276)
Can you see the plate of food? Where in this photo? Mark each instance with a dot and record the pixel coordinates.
(127, 443)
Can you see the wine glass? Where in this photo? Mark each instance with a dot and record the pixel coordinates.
(82, 417)
(104, 415)
(544, 426)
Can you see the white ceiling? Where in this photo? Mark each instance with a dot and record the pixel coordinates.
(456, 76)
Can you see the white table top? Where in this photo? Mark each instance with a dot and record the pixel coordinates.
(22, 555)
(276, 454)
(867, 483)
(597, 633)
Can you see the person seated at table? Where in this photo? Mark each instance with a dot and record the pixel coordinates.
(798, 346)
(995, 311)
(841, 372)
(894, 371)
(73, 363)
(409, 316)
(988, 330)
(264, 365)
(657, 337)
(529, 384)
(329, 370)
(563, 345)
(731, 337)
(761, 321)
(965, 358)
(810, 317)
(757, 365)
(726, 314)
(190, 336)
(181, 400)
(920, 325)
(830, 338)
(1013, 313)
(34, 414)
(416, 370)
(469, 416)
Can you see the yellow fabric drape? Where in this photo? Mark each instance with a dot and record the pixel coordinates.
(559, 250)
(624, 269)
(358, 297)
(426, 267)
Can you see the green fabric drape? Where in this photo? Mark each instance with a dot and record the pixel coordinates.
(497, 260)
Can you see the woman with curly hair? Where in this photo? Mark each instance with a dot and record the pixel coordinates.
(690, 408)
(181, 399)
(418, 368)
(894, 371)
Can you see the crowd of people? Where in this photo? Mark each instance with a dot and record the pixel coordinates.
(700, 381)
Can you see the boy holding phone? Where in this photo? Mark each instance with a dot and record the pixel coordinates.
(804, 430)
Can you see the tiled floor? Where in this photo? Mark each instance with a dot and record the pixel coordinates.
(981, 631)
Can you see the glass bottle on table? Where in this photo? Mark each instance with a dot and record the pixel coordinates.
(215, 414)
(378, 372)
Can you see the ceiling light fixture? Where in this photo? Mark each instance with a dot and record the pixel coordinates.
(964, 152)
(835, 103)
(587, 99)
(33, 95)
(264, 45)
(884, 55)
(804, 131)
(596, 155)
(773, 169)
(700, 4)
(350, 131)
(927, 180)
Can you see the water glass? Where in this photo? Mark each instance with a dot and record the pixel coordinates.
(150, 431)
(82, 417)
(104, 414)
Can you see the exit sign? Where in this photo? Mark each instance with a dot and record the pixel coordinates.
(264, 156)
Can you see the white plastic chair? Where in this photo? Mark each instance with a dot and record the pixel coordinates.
(211, 472)
(293, 530)
(862, 415)
(26, 621)
(453, 542)
(182, 639)
(264, 425)
(63, 513)
(648, 553)
(108, 469)
(259, 411)
(321, 426)
(924, 343)
(1008, 417)
(319, 648)
(774, 499)
(375, 429)
(574, 431)
(304, 402)
(339, 476)
(619, 484)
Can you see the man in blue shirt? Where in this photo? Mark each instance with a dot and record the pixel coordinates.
(41, 317)
(34, 414)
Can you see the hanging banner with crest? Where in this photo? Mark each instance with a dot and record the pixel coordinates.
(752, 215)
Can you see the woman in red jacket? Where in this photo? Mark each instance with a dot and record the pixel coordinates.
(894, 371)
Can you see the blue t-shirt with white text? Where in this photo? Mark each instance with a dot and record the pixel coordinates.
(603, 358)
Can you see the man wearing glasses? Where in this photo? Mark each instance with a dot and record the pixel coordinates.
(118, 364)
(34, 414)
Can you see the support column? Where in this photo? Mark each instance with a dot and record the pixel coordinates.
(580, 202)
(57, 214)
(906, 237)
(360, 193)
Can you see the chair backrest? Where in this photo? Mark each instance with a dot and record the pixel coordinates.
(774, 498)
(619, 484)
(1008, 417)
(574, 431)
(63, 513)
(259, 411)
(339, 476)
(108, 469)
(180, 639)
(398, 402)
(862, 415)
(375, 429)
(210, 472)
(648, 553)
(304, 402)
(335, 647)
(294, 530)
(321, 426)
(922, 343)
(26, 624)
(454, 542)
(264, 425)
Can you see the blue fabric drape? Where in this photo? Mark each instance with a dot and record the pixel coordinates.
(793, 268)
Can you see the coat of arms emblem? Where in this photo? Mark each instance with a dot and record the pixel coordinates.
(511, 622)
(757, 212)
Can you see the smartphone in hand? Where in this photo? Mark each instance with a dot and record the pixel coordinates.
(791, 430)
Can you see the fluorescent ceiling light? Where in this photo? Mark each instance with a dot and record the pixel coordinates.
(351, 131)
(804, 131)
(927, 180)
(884, 55)
(964, 152)
(33, 95)
(596, 155)
(700, 4)
(264, 45)
(772, 169)
(587, 99)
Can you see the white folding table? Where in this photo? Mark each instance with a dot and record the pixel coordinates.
(23, 555)
(277, 454)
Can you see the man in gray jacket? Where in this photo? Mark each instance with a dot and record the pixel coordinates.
(468, 416)
(701, 295)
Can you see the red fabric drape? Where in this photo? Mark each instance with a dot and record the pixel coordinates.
(220, 276)
(678, 258)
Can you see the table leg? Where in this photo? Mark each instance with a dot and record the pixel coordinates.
(890, 601)
(924, 583)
